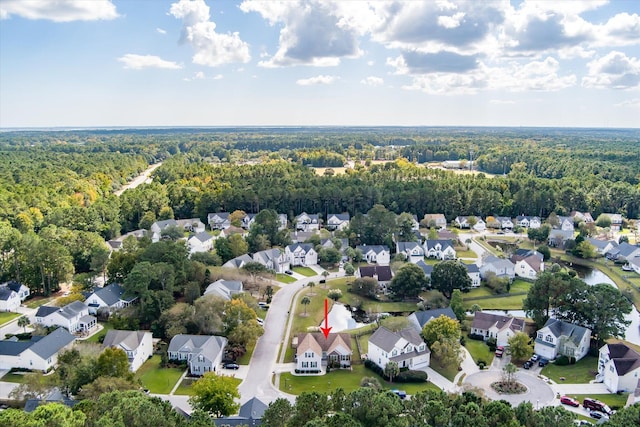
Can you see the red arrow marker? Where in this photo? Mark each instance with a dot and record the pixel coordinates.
(326, 328)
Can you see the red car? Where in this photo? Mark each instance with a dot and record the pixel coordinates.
(499, 351)
(566, 400)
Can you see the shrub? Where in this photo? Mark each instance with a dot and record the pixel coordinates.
(411, 377)
(481, 364)
(462, 341)
(476, 337)
(562, 361)
(491, 342)
(369, 364)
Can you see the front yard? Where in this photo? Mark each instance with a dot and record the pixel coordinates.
(156, 379)
(284, 278)
(479, 351)
(184, 389)
(580, 373)
(7, 316)
(305, 271)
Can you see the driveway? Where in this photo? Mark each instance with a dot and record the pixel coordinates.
(539, 393)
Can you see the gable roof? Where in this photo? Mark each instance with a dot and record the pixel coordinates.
(423, 317)
(221, 215)
(561, 328)
(444, 243)
(382, 271)
(625, 249)
(52, 343)
(165, 223)
(388, 340)
(372, 248)
(339, 217)
(224, 288)
(6, 293)
(427, 268)
(304, 246)
(13, 347)
(498, 262)
(253, 408)
(624, 358)
(111, 294)
(408, 246)
(267, 255)
(602, 244)
(471, 268)
(207, 345)
(238, 261)
(128, 340)
(316, 342)
(563, 234)
(203, 236)
(14, 286)
(485, 321)
(533, 258)
(46, 310)
(73, 309)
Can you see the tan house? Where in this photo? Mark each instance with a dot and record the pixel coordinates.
(496, 326)
(314, 350)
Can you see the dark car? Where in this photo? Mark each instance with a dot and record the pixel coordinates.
(542, 362)
(400, 393)
(289, 272)
(231, 365)
(595, 414)
(527, 364)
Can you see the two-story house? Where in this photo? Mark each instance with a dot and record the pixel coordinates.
(159, 226)
(603, 246)
(499, 266)
(200, 242)
(616, 221)
(565, 223)
(9, 299)
(74, 317)
(137, 344)
(465, 222)
(404, 347)
(560, 338)
(314, 350)
(528, 221)
(496, 326)
(307, 222)
(38, 354)
(412, 251)
(528, 263)
(558, 238)
(191, 225)
(375, 254)
(238, 262)
(219, 220)
(301, 254)
(224, 288)
(435, 220)
(439, 249)
(474, 274)
(420, 318)
(17, 287)
(581, 217)
(381, 273)
(111, 297)
(203, 353)
(619, 367)
(337, 221)
(505, 222)
(274, 259)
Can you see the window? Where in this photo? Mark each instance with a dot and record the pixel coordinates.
(394, 353)
(611, 369)
(548, 338)
(539, 335)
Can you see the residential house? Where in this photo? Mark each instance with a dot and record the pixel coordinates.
(111, 297)
(528, 263)
(250, 415)
(314, 350)
(17, 287)
(382, 273)
(55, 396)
(74, 317)
(619, 367)
(415, 224)
(624, 252)
(581, 217)
(201, 242)
(238, 262)
(302, 236)
(301, 254)
(39, 354)
(558, 238)
(307, 222)
(436, 220)
(202, 352)
(499, 266)
(474, 274)
(191, 225)
(231, 230)
(496, 326)
(219, 220)
(616, 221)
(420, 318)
(412, 251)
(528, 221)
(404, 347)
(505, 222)
(137, 344)
(116, 244)
(603, 246)
(560, 338)
(274, 259)
(159, 226)
(224, 288)
(337, 221)
(439, 249)
(634, 263)
(463, 222)
(375, 254)
(565, 223)
(9, 299)
(248, 221)
(427, 268)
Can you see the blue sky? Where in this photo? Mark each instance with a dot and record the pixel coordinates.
(221, 63)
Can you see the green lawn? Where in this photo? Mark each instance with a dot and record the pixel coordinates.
(367, 304)
(479, 351)
(95, 338)
(184, 389)
(466, 254)
(246, 358)
(506, 302)
(7, 316)
(284, 278)
(38, 301)
(305, 271)
(613, 400)
(449, 372)
(13, 377)
(580, 373)
(347, 380)
(156, 379)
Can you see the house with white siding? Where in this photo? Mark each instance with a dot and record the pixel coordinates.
(219, 220)
(404, 347)
(224, 288)
(39, 354)
(528, 263)
(301, 254)
(375, 254)
(412, 251)
(203, 353)
(9, 299)
(313, 350)
(619, 367)
(201, 242)
(560, 338)
(274, 259)
(137, 344)
(499, 266)
(74, 317)
(439, 249)
(111, 297)
(307, 222)
(337, 221)
(496, 326)
(17, 287)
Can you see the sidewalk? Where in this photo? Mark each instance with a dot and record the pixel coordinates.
(441, 381)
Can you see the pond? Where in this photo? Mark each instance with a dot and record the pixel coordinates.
(590, 275)
(340, 319)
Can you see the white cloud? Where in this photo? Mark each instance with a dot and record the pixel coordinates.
(634, 103)
(450, 21)
(621, 30)
(211, 48)
(501, 102)
(138, 62)
(613, 71)
(199, 75)
(218, 77)
(372, 81)
(318, 80)
(161, 31)
(60, 10)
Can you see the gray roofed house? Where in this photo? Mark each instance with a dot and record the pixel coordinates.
(404, 347)
(301, 254)
(337, 221)
(219, 220)
(250, 414)
(440, 249)
(624, 252)
(238, 262)
(413, 251)
(427, 268)
(17, 287)
(74, 317)
(496, 326)
(55, 396)
(159, 226)
(474, 274)
(420, 318)
(41, 353)
(603, 246)
(111, 296)
(375, 254)
(557, 238)
(499, 266)
(200, 242)
(224, 288)
(137, 344)
(203, 352)
(9, 299)
(528, 263)
(560, 338)
(274, 259)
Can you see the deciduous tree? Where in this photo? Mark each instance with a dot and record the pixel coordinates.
(215, 394)
(450, 275)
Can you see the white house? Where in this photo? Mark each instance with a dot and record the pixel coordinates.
(624, 252)
(307, 222)
(74, 317)
(634, 263)
(619, 367)
(219, 220)
(191, 225)
(17, 287)
(474, 274)
(616, 221)
(528, 221)
(404, 347)
(463, 222)
(137, 344)
(337, 221)
(559, 338)
(159, 226)
(413, 251)
(581, 217)
(603, 246)
(499, 266)
(496, 326)
(528, 263)
(201, 242)
(420, 318)
(37, 355)
(202, 352)
(557, 238)
(274, 259)
(375, 254)
(224, 288)
(505, 222)
(565, 223)
(9, 299)
(313, 350)
(301, 254)
(238, 262)
(112, 297)
(438, 220)
(439, 249)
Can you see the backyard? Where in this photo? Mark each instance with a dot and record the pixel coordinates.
(581, 373)
(156, 379)
(98, 336)
(488, 301)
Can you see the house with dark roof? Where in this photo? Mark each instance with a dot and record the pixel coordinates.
(603, 246)
(238, 262)
(17, 287)
(159, 226)
(203, 353)
(337, 221)
(313, 350)
(219, 220)
(619, 367)
(558, 238)
(496, 326)
(528, 221)
(412, 251)
(74, 317)
(474, 274)
(307, 222)
(111, 297)
(301, 254)
(381, 273)
(274, 259)
(40, 354)
(420, 318)
(404, 347)
(427, 268)
(9, 299)
(439, 249)
(375, 254)
(499, 266)
(200, 242)
(55, 396)
(560, 338)
(528, 263)
(224, 288)
(624, 252)
(250, 415)
(137, 344)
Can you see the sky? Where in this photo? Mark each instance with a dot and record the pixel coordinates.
(99, 63)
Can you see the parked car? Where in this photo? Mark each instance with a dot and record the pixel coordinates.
(542, 362)
(566, 400)
(534, 358)
(289, 272)
(596, 414)
(323, 281)
(596, 405)
(260, 321)
(499, 351)
(400, 393)
(527, 364)
(231, 365)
